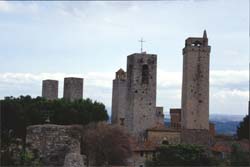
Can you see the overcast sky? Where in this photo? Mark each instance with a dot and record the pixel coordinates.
(53, 40)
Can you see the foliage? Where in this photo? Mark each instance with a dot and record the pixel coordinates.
(243, 128)
(105, 144)
(16, 155)
(18, 113)
(181, 155)
(238, 157)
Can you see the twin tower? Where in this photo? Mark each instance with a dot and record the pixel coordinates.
(134, 91)
(72, 90)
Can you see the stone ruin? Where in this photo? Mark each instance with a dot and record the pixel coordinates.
(56, 145)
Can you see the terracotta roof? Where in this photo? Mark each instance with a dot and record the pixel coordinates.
(221, 148)
(145, 146)
(120, 71)
(226, 146)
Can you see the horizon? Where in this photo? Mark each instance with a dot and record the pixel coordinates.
(53, 40)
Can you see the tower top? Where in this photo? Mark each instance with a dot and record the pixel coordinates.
(205, 34)
(197, 41)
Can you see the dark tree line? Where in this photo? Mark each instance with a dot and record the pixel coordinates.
(181, 155)
(18, 113)
(243, 129)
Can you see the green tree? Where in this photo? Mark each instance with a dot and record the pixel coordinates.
(18, 113)
(238, 157)
(243, 128)
(181, 155)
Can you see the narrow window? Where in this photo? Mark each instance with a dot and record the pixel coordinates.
(122, 121)
(145, 74)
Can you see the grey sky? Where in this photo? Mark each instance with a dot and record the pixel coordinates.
(39, 40)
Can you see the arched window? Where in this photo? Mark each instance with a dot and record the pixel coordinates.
(165, 142)
(145, 74)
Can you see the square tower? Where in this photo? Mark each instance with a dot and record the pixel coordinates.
(141, 92)
(50, 89)
(73, 88)
(175, 117)
(195, 83)
(119, 98)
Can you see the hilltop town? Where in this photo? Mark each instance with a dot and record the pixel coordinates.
(134, 112)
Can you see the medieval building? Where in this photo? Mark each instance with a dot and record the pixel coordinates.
(73, 88)
(134, 100)
(134, 95)
(195, 91)
(50, 89)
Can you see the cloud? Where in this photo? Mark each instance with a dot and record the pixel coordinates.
(19, 7)
(228, 90)
(226, 79)
(4, 6)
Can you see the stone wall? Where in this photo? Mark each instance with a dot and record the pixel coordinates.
(73, 88)
(50, 89)
(172, 137)
(53, 142)
(196, 136)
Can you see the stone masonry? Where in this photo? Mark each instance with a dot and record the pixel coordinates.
(134, 95)
(119, 100)
(175, 116)
(50, 89)
(141, 95)
(159, 116)
(195, 91)
(73, 88)
(195, 84)
(53, 142)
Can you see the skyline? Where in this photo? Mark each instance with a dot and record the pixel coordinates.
(53, 40)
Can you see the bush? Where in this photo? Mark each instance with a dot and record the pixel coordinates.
(181, 155)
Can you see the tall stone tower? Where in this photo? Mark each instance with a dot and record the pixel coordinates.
(195, 84)
(141, 92)
(50, 89)
(73, 88)
(119, 98)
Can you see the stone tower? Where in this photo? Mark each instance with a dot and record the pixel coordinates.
(50, 89)
(175, 117)
(141, 92)
(195, 89)
(119, 100)
(73, 88)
